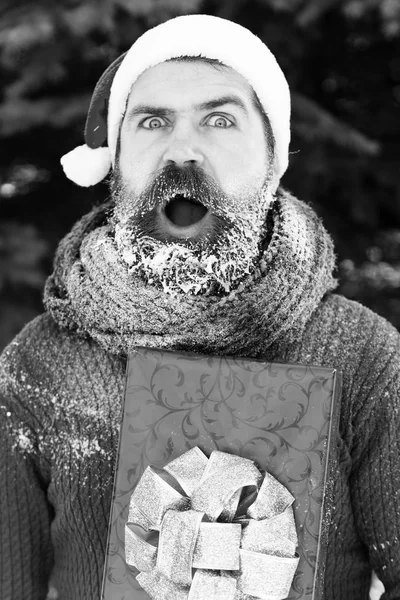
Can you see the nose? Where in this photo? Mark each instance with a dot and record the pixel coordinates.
(183, 147)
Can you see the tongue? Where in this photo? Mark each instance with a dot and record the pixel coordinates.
(184, 212)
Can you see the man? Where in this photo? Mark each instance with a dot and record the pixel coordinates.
(197, 249)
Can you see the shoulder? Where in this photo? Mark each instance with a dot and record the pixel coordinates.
(366, 349)
(367, 342)
(361, 344)
(24, 366)
(39, 344)
(47, 372)
(355, 325)
(44, 356)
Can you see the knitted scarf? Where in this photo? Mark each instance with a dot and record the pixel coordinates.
(92, 292)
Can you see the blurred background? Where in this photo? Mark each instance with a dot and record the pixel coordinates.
(342, 61)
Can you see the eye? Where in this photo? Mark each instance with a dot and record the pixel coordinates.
(219, 121)
(153, 123)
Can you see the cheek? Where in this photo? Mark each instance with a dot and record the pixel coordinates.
(243, 168)
(135, 165)
(243, 179)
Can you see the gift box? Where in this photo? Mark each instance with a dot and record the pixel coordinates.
(282, 417)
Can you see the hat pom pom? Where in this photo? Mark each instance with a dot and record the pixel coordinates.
(86, 166)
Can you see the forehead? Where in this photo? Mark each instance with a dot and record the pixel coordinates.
(185, 82)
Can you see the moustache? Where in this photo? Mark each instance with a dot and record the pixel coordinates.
(173, 182)
(188, 181)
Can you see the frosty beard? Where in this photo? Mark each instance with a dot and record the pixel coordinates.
(216, 261)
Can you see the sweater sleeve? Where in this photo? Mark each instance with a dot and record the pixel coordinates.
(25, 514)
(375, 479)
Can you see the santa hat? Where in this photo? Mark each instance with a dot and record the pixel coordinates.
(190, 35)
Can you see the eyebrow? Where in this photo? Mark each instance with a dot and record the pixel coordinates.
(161, 111)
(218, 102)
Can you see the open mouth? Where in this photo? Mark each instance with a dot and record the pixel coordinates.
(183, 212)
(184, 216)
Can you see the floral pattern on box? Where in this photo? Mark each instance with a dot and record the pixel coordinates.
(281, 416)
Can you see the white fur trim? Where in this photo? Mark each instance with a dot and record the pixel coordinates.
(86, 166)
(210, 37)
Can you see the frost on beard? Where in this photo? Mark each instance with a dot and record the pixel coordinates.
(179, 268)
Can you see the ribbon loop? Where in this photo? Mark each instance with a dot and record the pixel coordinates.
(188, 469)
(139, 553)
(258, 536)
(225, 474)
(160, 587)
(177, 542)
(272, 499)
(265, 576)
(153, 497)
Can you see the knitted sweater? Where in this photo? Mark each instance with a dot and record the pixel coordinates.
(60, 406)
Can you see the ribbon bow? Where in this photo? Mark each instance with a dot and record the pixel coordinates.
(218, 516)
